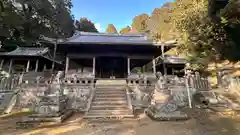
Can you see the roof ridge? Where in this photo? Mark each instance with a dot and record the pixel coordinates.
(79, 33)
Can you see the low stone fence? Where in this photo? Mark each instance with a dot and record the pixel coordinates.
(32, 87)
(198, 83)
(142, 79)
(9, 83)
(140, 96)
(8, 89)
(78, 95)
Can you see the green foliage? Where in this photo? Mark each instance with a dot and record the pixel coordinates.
(111, 29)
(27, 20)
(206, 30)
(140, 23)
(85, 25)
(125, 30)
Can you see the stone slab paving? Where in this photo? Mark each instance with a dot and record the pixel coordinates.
(200, 124)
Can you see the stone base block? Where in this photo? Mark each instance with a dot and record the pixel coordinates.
(33, 119)
(53, 114)
(161, 116)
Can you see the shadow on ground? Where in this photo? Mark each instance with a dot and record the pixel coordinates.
(202, 123)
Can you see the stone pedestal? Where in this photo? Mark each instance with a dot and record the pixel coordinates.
(167, 107)
(52, 106)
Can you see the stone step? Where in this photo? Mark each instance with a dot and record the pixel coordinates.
(110, 96)
(111, 84)
(110, 99)
(110, 92)
(109, 102)
(111, 81)
(98, 121)
(108, 116)
(110, 111)
(103, 112)
(109, 107)
(110, 88)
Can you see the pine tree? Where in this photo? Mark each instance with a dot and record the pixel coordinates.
(85, 25)
(140, 22)
(125, 30)
(111, 29)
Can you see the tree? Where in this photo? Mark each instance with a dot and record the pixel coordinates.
(206, 30)
(140, 22)
(125, 30)
(27, 20)
(111, 29)
(85, 25)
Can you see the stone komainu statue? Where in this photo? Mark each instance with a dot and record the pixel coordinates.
(170, 109)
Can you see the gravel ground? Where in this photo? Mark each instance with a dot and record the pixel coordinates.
(201, 124)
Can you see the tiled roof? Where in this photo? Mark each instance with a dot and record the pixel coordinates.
(33, 51)
(109, 38)
(169, 59)
(174, 60)
(106, 38)
(26, 51)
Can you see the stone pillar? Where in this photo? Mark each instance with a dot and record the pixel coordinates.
(94, 65)
(163, 57)
(54, 55)
(36, 66)
(10, 66)
(154, 65)
(2, 62)
(44, 67)
(128, 65)
(66, 65)
(28, 64)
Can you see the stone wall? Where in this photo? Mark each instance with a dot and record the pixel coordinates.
(34, 87)
(28, 96)
(140, 88)
(78, 96)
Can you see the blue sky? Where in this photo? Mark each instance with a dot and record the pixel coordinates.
(117, 12)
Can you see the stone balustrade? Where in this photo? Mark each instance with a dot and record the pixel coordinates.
(35, 86)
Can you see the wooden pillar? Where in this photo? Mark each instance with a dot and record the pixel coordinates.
(10, 66)
(154, 65)
(44, 67)
(28, 64)
(2, 62)
(163, 57)
(36, 66)
(94, 65)
(66, 65)
(128, 65)
(54, 55)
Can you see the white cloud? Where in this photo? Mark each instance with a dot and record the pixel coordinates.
(98, 26)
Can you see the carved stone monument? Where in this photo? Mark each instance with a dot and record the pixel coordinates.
(167, 103)
(52, 105)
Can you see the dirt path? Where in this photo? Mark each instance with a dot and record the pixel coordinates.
(202, 124)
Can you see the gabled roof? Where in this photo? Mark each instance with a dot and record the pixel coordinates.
(26, 51)
(109, 38)
(33, 52)
(174, 59)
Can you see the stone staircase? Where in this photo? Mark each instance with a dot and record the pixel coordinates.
(110, 101)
